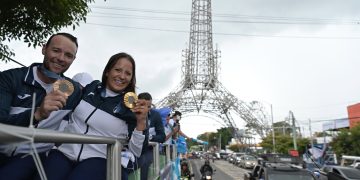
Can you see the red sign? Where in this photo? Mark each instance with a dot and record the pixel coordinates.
(294, 153)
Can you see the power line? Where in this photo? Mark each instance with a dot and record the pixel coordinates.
(279, 18)
(225, 34)
(121, 16)
(140, 28)
(142, 10)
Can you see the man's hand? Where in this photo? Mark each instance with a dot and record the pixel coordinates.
(53, 101)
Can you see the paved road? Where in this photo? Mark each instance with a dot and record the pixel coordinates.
(224, 170)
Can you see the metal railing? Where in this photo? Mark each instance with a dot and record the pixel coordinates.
(12, 134)
(156, 157)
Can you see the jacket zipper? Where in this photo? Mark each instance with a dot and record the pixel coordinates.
(87, 130)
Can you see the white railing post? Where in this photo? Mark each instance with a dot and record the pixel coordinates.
(156, 159)
(113, 169)
(174, 152)
(167, 153)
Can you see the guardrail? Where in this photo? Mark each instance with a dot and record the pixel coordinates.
(11, 134)
(156, 158)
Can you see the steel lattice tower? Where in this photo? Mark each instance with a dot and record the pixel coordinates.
(200, 89)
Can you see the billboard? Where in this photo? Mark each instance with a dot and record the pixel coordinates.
(336, 124)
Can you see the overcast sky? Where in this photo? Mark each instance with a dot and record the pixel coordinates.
(301, 56)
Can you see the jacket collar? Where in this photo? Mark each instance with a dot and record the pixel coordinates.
(29, 77)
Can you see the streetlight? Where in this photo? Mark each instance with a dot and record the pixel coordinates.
(272, 125)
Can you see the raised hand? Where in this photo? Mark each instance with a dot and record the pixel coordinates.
(53, 101)
(141, 110)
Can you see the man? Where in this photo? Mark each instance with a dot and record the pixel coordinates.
(156, 129)
(176, 123)
(156, 134)
(206, 168)
(185, 170)
(169, 130)
(17, 87)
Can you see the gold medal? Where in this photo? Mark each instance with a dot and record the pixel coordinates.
(130, 99)
(64, 86)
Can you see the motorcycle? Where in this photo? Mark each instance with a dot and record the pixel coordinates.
(187, 177)
(207, 175)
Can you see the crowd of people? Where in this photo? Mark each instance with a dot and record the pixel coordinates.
(80, 105)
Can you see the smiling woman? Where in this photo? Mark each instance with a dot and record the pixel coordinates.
(101, 112)
(121, 74)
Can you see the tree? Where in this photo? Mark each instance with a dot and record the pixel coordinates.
(282, 127)
(347, 142)
(33, 21)
(238, 147)
(226, 136)
(213, 138)
(322, 134)
(284, 143)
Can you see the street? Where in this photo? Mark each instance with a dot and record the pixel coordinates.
(224, 170)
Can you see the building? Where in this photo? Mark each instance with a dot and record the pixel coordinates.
(353, 114)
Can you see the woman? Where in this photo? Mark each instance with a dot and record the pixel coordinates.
(101, 112)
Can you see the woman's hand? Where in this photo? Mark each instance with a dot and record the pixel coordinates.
(141, 110)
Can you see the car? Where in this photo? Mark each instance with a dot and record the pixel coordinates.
(224, 155)
(247, 161)
(278, 167)
(230, 158)
(348, 173)
(278, 171)
(236, 158)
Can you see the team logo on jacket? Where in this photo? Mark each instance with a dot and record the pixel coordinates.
(23, 96)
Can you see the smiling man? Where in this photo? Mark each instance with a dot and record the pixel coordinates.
(17, 88)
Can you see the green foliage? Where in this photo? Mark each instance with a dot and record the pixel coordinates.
(213, 138)
(322, 134)
(283, 143)
(347, 142)
(226, 136)
(238, 147)
(33, 21)
(282, 127)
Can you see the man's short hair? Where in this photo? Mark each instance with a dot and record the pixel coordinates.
(69, 36)
(177, 113)
(145, 95)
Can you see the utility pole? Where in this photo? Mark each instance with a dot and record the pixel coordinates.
(220, 143)
(311, 137)
(293, 129)
(273, 131)
(283, 129)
